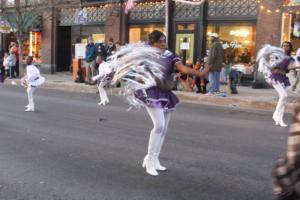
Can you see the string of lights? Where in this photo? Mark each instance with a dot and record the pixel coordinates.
(191, 2)
(287, 7)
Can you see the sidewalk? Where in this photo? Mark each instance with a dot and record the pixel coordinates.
(249, 98)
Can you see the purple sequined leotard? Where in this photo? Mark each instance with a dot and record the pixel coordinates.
(155, 96)
(278, 77)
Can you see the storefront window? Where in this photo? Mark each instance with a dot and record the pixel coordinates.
(291, 29)
(32, 46)
(239, 40)
(140, 33)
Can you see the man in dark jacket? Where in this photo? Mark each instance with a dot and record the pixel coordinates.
(111, 47)
(215, 63)
(90, 57)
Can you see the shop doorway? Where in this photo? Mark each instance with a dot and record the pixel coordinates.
(63, 56)
(185, 46)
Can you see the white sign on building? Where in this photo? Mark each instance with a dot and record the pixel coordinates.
(80, 51)
(184, 46)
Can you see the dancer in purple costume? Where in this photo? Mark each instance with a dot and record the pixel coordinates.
(160, 101)
(275, 63)
(280, 82)
(145, 75)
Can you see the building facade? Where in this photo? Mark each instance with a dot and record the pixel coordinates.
(242, 26)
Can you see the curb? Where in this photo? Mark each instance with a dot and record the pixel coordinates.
(186, 97)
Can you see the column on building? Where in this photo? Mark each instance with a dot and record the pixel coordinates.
(269, 24)
(47, 55)
(115, 23)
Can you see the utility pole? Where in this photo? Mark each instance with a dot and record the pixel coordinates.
(167, 11)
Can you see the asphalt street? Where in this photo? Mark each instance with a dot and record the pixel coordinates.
(71, 149)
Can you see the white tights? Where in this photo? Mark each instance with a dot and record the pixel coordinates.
(160, 119)
(282, 93)
(30, 91)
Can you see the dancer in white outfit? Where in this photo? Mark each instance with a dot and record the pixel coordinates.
(104, 76)
(31, 81)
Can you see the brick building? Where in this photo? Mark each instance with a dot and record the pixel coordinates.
(241, 24)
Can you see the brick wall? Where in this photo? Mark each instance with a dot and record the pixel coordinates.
(112, 25)
(268, 27)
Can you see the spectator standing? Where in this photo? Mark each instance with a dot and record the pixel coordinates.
(101, 51)
(11, 63)
(15, 49)
(229, 62)
(90, 57)
(200, 82)
(215, 63)
(111, 47)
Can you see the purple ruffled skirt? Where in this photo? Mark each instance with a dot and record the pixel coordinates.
(280, 78)
(158, 98)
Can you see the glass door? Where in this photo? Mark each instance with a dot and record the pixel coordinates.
(185, 46)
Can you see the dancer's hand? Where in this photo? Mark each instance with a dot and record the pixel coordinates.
(24, 83)
(203, 73)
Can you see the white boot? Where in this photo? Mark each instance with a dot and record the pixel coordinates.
(279, 122)
(30, 107)
(158, 166)
(149, 160)
(282, 124)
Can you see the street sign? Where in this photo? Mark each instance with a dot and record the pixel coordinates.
(80, 51)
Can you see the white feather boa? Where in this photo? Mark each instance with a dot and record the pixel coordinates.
(135, 66)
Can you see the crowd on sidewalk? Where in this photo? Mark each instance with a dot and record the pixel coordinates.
(9, 62)
(224, 68)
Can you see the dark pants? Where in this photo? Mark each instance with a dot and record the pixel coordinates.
(233, 81)
(200, 88)
(2, 74)
(17, 69)
(12, 72)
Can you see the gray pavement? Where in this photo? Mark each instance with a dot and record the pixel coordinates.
(70, 149)
(265, 99)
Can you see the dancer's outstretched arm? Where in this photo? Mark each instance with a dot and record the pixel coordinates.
(187, 70)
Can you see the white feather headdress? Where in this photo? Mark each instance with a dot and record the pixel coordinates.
(268, 58)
